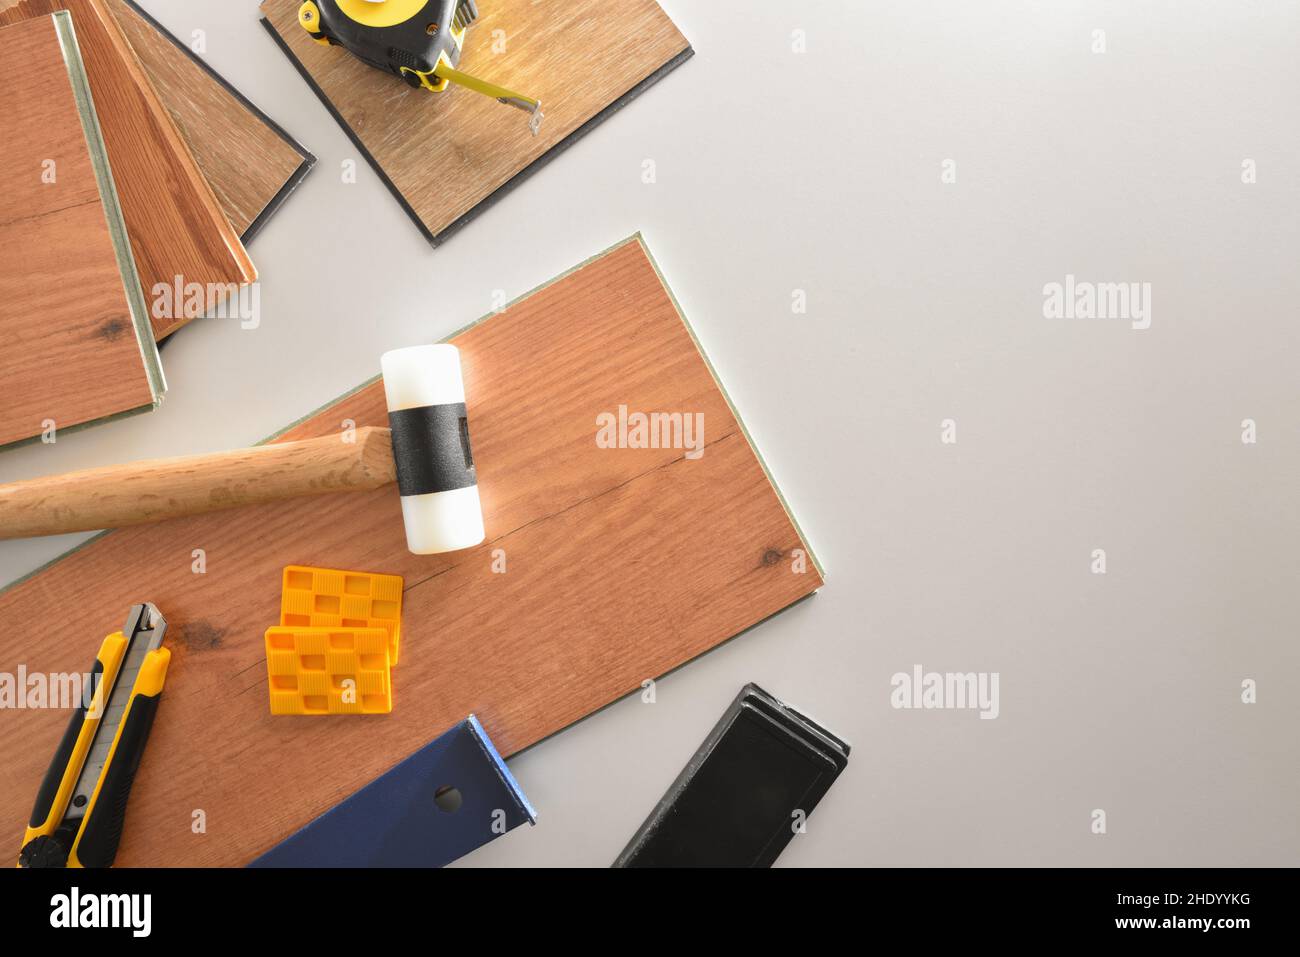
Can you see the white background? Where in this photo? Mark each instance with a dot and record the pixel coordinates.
(778, 171)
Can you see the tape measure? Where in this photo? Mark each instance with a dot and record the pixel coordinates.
(419, 41)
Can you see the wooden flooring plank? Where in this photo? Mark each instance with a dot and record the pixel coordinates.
(72, 334)
(251, 163)
(446, 156)
(621, 564)
(175, 223)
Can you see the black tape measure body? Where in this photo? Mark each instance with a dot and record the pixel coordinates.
(416, 44)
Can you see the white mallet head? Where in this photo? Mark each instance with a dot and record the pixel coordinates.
(435, 466)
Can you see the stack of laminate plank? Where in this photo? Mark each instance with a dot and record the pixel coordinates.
(128, 169)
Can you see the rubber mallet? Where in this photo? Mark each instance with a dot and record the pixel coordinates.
(425, 450)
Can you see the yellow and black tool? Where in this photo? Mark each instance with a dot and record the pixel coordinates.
(81, 806)
(417, 40)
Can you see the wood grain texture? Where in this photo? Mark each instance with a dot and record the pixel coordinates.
(245, 159)
(137, 493)
(621, 565)
(173, 218)
(70, 349)
(447, 153)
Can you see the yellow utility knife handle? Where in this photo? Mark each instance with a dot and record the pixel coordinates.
(101, 828)
(61, 777)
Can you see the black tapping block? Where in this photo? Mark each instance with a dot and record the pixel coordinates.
(746, 792)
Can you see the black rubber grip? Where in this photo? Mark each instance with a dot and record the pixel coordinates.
(54, 773)
(102, 831)
(431, 449)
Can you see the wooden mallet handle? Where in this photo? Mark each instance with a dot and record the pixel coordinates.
(152, 491)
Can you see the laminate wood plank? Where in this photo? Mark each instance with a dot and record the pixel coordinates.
(72, 352)
(248, 160)
(621, 564)
(175, 223)
(446, 155)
